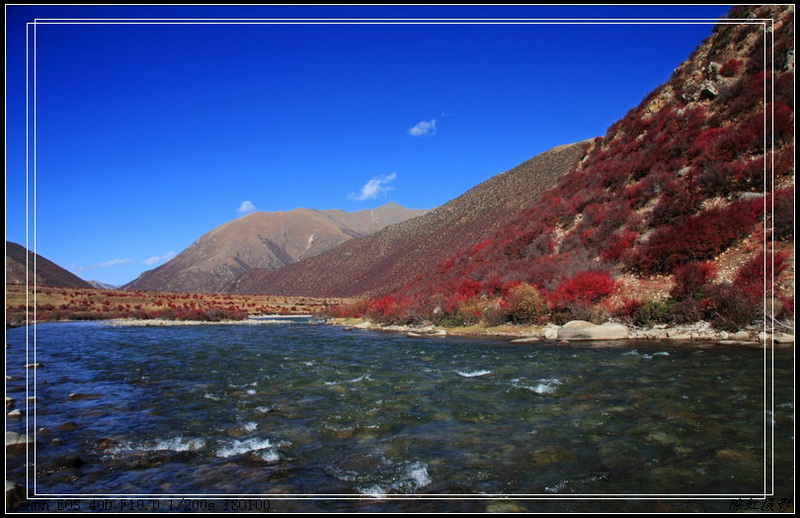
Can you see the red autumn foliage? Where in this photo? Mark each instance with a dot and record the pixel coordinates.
(783, 122)
(587, 287)
(652, 178)
(697, 237)
(618, 246)
(755, 277)
(783, 215)
(731, 67)
(690, 280)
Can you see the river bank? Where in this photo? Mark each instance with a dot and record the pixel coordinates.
(579, 331)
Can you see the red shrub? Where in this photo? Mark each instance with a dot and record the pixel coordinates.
(784, 160)
(704, 143)
(783, 215)
(542, 271)
(384, 308)
(698, 237)
(730, 67)
(674, 203)
(756, 274)
(783, 122)
(618, 246)
(468, 289)
(690, 279)
(585, 287)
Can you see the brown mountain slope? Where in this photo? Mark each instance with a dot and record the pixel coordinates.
(398, 253)
(47, 272)
(267, 240)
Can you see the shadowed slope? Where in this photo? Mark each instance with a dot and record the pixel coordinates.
(47, 272)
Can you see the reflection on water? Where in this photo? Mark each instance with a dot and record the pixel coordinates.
(297, 409)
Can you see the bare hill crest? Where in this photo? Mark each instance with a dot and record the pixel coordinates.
(265, 240)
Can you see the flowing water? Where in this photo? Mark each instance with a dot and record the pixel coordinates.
(318, 418)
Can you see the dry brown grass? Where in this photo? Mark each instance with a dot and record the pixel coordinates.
(52, 303)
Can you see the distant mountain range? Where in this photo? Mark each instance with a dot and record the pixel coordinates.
(47, 273)
(267, 241)
(103, 286)
(398, 253)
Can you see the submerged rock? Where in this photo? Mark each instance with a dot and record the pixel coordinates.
(583, 330)
(14, 494)
(526, 340)
(552, 454)
(16, 442)
(78, 395)
(505, 506)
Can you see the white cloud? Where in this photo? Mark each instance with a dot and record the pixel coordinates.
(114, 262)
(423, 128)
(246, 206)
(375, 187)
(106, 264)
(157, 259)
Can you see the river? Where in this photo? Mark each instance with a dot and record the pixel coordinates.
(318, 418)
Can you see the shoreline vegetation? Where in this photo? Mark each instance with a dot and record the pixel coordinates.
(584, 332)
(701, 333)
(137, 308)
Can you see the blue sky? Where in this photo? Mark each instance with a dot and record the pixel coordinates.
(148, 135)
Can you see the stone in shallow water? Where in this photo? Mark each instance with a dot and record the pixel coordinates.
(663, 438)
(505, 506)
(737, 456)
(16, 442)
(526, 340)
(620, 455)
(76, 396)
(583, 330)
(551, 455)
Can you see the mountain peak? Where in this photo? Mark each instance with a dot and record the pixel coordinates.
(267, 240)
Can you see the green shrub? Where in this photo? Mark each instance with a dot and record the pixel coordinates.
(653, 312)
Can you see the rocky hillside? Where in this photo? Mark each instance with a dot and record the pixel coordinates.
(47, 272)
(265, 240)
(683, 211)
(397, 254)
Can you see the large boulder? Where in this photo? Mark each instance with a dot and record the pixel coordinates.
(583, 330)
